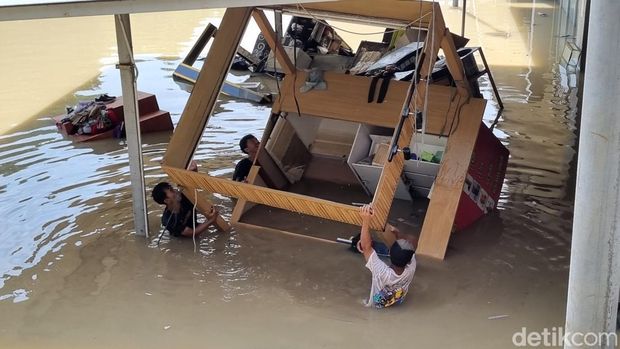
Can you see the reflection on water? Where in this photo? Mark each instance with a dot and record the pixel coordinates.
(67, 242)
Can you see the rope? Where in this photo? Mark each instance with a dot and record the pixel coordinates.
(163, 229)
(194, 217)
(126, 37)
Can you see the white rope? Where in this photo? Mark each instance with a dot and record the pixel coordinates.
(194, 217)
(126, 37)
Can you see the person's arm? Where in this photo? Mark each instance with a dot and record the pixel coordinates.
(202, 227)
(365, 243)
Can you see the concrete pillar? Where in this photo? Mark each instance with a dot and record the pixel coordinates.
(132, 124)
(595, 254)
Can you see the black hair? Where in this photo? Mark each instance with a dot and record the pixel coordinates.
(159, 192)
(401, 253)
(243, 143)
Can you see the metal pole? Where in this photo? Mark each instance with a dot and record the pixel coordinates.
(128, 71)
(463, 17)
(594, 278)
(278, 24)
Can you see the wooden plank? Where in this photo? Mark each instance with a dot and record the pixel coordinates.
(243, 205)
(347, 95)
(453, 60)
(271, 197)
(200, 44)
(448, 187)
(270, 172)
(390, 176)
(271, 38)
(207, 88)
(398, 11)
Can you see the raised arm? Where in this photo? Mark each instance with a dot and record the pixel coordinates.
(365, 243)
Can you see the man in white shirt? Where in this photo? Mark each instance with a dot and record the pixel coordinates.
(390, 283)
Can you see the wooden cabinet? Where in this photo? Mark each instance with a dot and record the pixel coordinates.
(418, 176)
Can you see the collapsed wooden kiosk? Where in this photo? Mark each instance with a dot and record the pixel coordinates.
(341, 101)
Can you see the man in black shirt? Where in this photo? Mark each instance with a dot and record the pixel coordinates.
(249, 145)
(179, 217)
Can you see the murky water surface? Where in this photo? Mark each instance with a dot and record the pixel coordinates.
(72, 274)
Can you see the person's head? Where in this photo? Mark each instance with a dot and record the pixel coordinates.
(163, 193)
(249, 144)
(401, 253)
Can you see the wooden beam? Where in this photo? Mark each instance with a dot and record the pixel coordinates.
(390, 176)
(207, 88)
(453, 60)
(273, 42)
(448, 186)
(384, 11)
(243, 205)
(347, 95)
(200, 44)
(269, 170)
(275, 198)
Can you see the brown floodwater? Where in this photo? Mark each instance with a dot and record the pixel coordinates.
(72, 273)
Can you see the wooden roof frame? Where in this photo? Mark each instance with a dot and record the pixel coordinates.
(338, 102)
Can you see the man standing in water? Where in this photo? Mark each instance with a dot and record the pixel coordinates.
(249, 145)
(179, 216)
(390, 283)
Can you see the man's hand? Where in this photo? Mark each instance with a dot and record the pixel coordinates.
(212, 215)
(366, 213)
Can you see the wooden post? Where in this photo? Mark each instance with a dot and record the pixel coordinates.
(243, 205)
(204, 96)
(200, 44)
(273, 42)
(448, 186)
(207, 88)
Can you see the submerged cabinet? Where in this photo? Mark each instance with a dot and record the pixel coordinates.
(418, 175)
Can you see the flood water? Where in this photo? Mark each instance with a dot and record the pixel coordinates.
(73, 274)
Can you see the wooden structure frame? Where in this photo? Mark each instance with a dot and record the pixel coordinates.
(446, 107)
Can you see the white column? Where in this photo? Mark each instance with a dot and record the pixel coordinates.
(595, 254)
(132, 124)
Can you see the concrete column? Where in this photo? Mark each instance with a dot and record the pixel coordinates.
(132, 124)
(595, 254)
